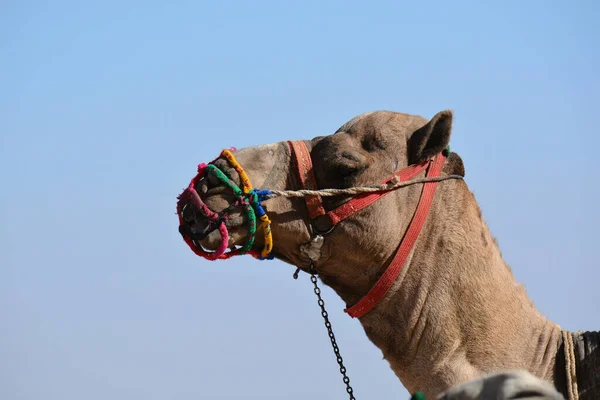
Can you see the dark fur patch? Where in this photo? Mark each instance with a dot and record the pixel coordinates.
(587, 365)
(454, 165)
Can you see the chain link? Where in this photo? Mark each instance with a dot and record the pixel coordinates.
(336, 349)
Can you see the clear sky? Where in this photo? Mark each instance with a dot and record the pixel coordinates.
(107, 107)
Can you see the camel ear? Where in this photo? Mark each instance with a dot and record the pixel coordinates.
(430, 139)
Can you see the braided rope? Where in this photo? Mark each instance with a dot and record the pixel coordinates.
(246, 185)
(572, 389)
(393, 185)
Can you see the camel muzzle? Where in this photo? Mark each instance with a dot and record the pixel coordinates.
(197, 221)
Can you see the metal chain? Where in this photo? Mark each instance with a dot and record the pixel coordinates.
(336, 349)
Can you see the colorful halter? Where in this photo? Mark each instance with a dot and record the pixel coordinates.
(251, 198)
(247, 197)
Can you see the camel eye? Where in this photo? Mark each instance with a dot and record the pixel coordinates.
(340, 161)
(346, 170)
(350, 164)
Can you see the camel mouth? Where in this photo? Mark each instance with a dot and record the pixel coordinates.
(202, 228)
(220, 209)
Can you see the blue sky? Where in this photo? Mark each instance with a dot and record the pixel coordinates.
(107, 107)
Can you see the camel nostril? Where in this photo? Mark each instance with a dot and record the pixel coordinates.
(198, 228)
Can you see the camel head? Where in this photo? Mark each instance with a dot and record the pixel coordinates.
(364, 151)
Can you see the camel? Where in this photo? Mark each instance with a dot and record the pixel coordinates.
(453, 311)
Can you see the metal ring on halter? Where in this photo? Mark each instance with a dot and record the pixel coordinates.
(317, 220)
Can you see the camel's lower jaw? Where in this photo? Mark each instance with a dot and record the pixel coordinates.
(213, 240)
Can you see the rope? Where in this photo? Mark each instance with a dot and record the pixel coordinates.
(572, 390)
(268, 194)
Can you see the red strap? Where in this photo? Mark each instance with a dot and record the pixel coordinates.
(368, 301)
(362, 201)
(304, 168)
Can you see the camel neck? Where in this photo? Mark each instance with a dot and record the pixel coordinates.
(457, 310)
